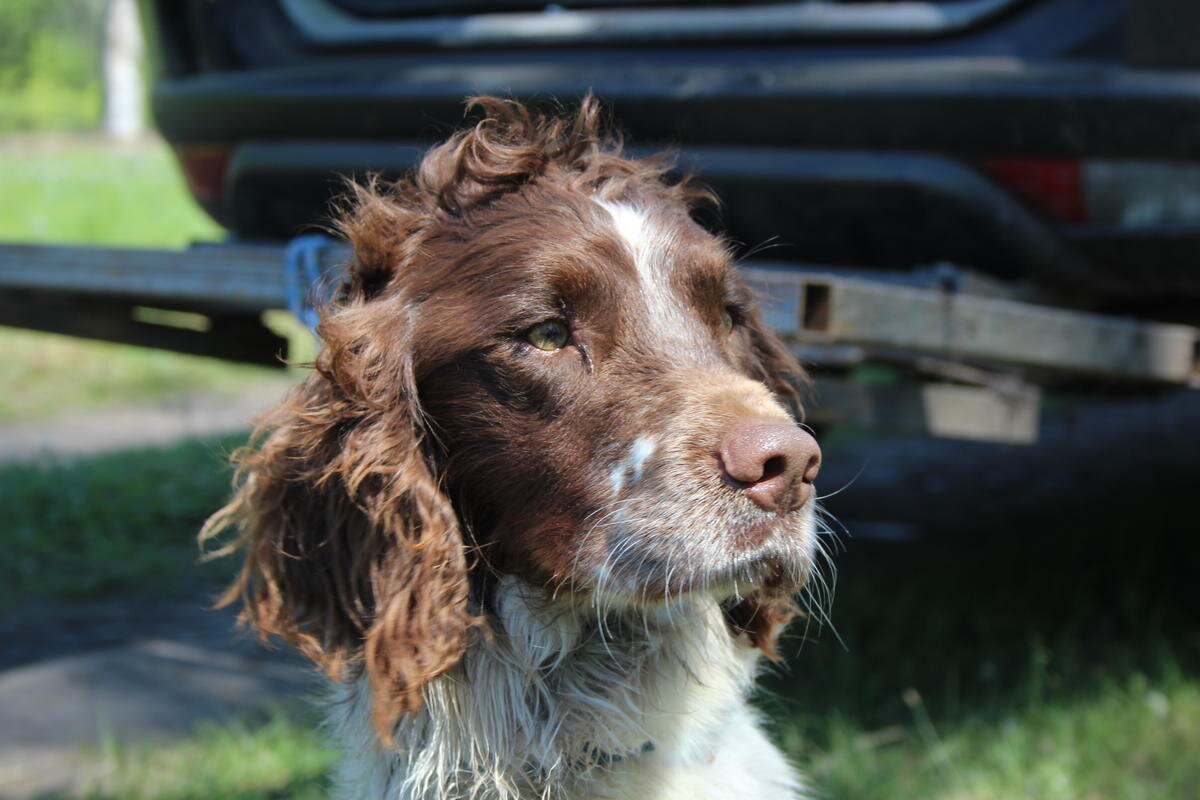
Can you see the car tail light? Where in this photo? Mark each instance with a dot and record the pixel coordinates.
(204, 167)
(1119, 193)
(1054, 186)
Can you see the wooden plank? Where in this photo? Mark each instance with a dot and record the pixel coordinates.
(249, 277)
(946, 410)
(821, 308)
(810, 307)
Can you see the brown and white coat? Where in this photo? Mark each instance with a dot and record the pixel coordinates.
(540, 507)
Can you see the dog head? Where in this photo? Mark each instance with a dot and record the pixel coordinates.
(538, 365)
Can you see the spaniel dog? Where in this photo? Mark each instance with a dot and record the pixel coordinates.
(541, 505)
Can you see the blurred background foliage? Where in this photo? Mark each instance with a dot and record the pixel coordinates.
(50, 64)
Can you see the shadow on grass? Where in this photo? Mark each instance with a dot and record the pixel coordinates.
(977, 627)
(119, 524)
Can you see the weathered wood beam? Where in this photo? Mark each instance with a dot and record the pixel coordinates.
(820, 308)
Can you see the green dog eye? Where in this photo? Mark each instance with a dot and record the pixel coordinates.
(549, 335)
(727, 320)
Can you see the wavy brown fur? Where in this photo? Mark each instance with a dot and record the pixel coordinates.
(352, 551)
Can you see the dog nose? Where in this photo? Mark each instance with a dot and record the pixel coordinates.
(773, 463)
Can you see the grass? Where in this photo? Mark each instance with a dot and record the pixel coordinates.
(120, 524)
(1132, 739)
(281, 756)
(44, 105)
(75, 190)
(1044, 652)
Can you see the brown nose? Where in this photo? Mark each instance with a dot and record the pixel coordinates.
(773, 463)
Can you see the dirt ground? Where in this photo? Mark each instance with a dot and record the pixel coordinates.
(73, 677)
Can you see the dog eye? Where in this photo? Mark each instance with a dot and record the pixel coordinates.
(548, 335)
(727, 319)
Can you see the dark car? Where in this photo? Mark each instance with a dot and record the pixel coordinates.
(1053, 141)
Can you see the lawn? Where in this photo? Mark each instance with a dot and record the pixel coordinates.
(46, 375)
(281, 756)
(1003, 668)
(80, 190)
(117, 524)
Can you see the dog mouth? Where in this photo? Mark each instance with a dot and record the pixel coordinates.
(772, 568)
(660, 544)
(773, 573)
(754, 536)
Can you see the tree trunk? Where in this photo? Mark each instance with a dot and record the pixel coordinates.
(123, 92)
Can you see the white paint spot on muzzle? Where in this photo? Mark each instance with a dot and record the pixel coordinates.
(634, 466)
(643, 448)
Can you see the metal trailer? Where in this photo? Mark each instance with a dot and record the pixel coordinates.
(973, 358)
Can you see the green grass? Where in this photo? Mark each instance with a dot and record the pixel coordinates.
(1038, 653)
(49, 59)
(119, 524)
(45, 105)
(280, 757)
(81, 191)
(1133, 739)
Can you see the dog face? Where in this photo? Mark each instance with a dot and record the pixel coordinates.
(538, 365)
(594, 355)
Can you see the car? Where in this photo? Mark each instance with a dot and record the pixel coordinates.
(1045, 143)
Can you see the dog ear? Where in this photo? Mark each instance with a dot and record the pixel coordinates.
(352, 552)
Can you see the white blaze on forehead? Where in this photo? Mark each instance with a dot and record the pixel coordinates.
(651, 246)
(631, 224)
(631, 469)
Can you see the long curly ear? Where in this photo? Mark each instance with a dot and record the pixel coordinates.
(352, 552)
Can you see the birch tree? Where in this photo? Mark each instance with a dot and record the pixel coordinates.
(124, 94)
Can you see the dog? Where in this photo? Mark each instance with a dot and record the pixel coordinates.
(540, 507)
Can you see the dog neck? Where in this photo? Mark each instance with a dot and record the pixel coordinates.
(557, 696)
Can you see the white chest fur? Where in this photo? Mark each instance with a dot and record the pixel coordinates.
(561, 704)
